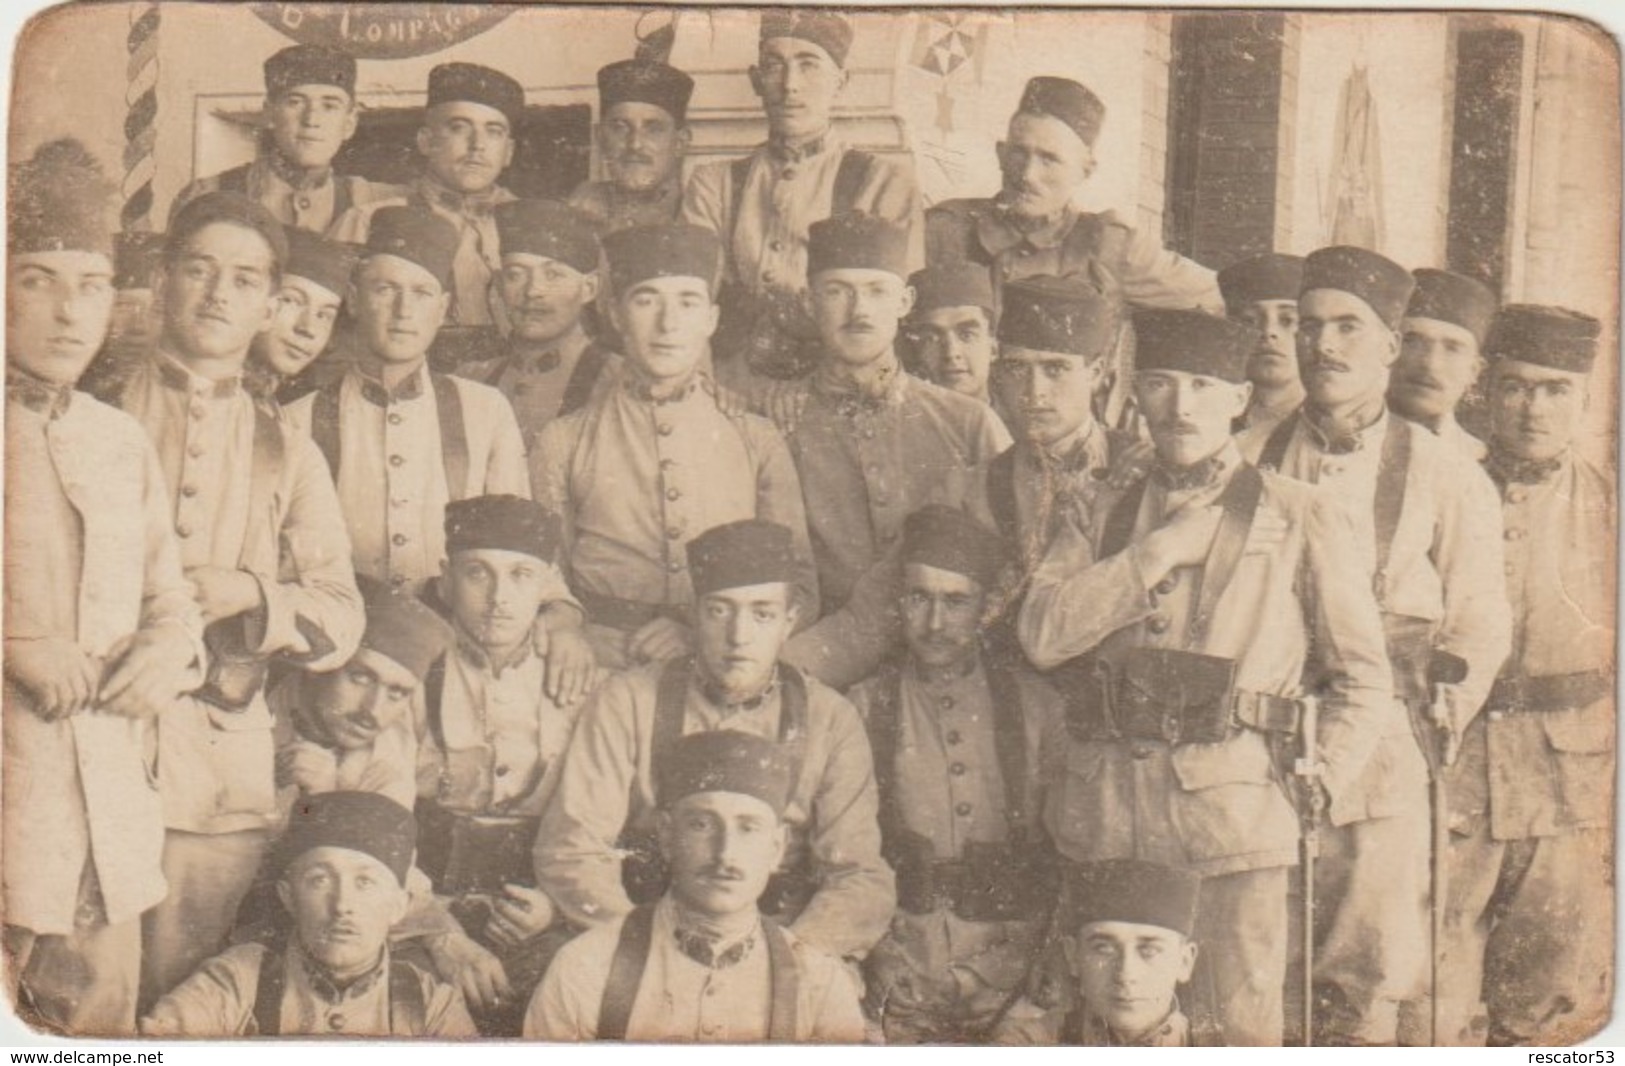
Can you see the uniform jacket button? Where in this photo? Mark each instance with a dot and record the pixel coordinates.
(1167, 585)
(396, 460)
(398, 539)
(1158, 624)
(963, 810)
(957, 769)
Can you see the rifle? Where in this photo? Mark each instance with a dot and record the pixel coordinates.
(1444, 668)
(1309, 814)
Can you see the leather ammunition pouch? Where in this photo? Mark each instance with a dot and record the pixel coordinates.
(1176, 697)
(474, 854)
(236, 675)
(990, 883)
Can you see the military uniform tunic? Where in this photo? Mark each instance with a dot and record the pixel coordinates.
(543, 386)
(313, 204)
(614, 208)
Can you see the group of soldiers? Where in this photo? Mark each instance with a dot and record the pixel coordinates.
(763, 609)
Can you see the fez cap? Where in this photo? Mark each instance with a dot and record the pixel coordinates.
(829, 30)
(549, 229)
(1050, 314)
(1194, 342)
(724, 760)
(231, 207)
(368, 822)
(309, 64)
(855, 240)
(417, 235)
(949, 539)
(1271, 276)
(956, 284)
(752, 551)
(316, 259)
(472, 83)
(401, 627)
(1453, 298)
(645, 81)
(674, 250)
(1131, 890)
(58, 202)
(507, 523)
(1064, 99)
(1554, 337)
(1379, 281)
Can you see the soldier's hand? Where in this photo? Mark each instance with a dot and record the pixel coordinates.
(152, 672)
(785, 401)
(308, 767)
(460, 961)
(571, 667)
(59, 675)
(659, 640)
(519, 915)
(1444, 726)
(224, 593)
(1132, 465)
(1184, 541)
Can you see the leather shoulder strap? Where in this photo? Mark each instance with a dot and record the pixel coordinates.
(1393, 468)
(448, 405)
(235, 180)
(408, 1014)
(582, 379)
(434, 688)
(1275, 446)
(343, 194)
(781, 964)
(268, 993)
(883, 725)
(265, 473)
(1120, 521)
(1009, 741)
(851, 175)
(324, 424)
(626, 973)
(1001, 492)
(793, 719)
(1240, 502)
(671, 693)
(738, 175)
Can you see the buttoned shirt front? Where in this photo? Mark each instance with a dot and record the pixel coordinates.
(537, 384)
(307, 203)
(90, 559)
(615, 208)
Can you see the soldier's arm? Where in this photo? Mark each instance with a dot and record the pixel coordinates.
(1154, 276)
(446, 1013)
(564, 1008)
(837, 1017)
(1468, 552)
(848, 644)
(1074, 602)
(704, 200)
(779, 499)
(893, 193)
(550, 478)
(506, 471)
(215, 1001)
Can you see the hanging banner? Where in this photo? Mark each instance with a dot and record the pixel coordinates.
(382, 31)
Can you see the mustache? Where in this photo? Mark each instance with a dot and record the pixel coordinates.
(636, 157)
(722, 872)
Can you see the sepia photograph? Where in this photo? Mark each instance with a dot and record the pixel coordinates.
(691, 524)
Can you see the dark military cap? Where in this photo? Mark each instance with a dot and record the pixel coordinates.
(472, 83)
(645, 81)
(231, 207)
(961, 284)
(949, 539)
(368, 822)
(1130, 890)
(856, 240)
(1554, 337)
(417, 235)
(507, 523)
(1379, 281)
(1066, 100)
(58, 202)
(402, 627)
(1453, 298)
(1194, 342)
(319, 260)
(549, 229)
(1050, 314)
(752, 551)
(309, 64)
(829, 30)
(673, 250)
(724, 760)
(1271, 276)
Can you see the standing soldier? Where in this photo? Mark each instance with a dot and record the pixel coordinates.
(655, 458)
(310, 113)
(101, 634)
(763, 206)
(1440, 354)
(314, 283)
(466, 141)
(1430, 544)
(642, 136)
(949, 331)
(832, 885)
(964, 749)
(1528, 929)
(1262, 294)
(548, 365)
(263, 543)
(1211, 598)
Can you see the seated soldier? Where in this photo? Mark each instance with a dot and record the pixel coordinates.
(1126, 934)
(490, 741)
(343, 862)
(702, 964)
(314, 281)
(963, 748)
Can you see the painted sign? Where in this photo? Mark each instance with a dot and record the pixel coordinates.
(382, 31)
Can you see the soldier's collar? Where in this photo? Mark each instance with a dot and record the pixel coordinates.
(970, 668)
(851, 397)
(788, 153)
(666, 190)
(1207, 473)
(468, 204)
(641, 391)
(43, 397)
(1087, 448)
(376, 393)
(173, 375)
(712, 693)
(300, 178)
(1507, 469)
(473, 653)
(999, 232)
(1337, 442)
(332, 992)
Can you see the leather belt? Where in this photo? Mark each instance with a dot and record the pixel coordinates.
(991, 883)
(626, 615)
(1549, 692)
(1261, 712)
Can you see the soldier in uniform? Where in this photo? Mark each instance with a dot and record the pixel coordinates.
(466, 141)
(656, 458)
(1127, 928)
(949, 331)
(964, 750)
(314, 282)
(262, 541)
(1528, 929)
(548, 365)
(703, 964)
(763, 205)
(310, 113)
(1262, 293)
(101, 633)
(832, 886)
(1210, 598)
(1430, 545)
(343, 863)
(1440, 355)
(642, 134)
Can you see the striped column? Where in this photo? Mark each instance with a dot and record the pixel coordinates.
(141, 111)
